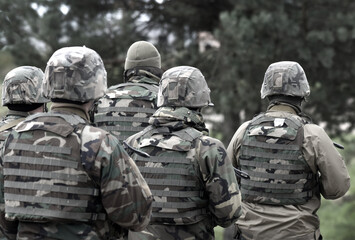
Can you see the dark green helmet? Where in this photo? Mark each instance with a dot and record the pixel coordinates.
(183, 86)
(23, 85)
(285, 78)
(76, 74)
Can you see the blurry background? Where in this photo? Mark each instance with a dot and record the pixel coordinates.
(231, 42)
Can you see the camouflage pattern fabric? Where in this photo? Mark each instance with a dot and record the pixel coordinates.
(123, 196)
(8, 122)
(125, 108)
(271, 153)
(213, 169)
(183, 86)
(75, 73)
(286, 78)
(23, 85)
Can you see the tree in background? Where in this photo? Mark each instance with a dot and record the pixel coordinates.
(318, 34)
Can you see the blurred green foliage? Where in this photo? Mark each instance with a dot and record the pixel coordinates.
(319, 34)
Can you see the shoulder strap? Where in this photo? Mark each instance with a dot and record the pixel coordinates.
(11, 124)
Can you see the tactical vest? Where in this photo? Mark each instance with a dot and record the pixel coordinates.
(126, 108)
(44, 179)
(271, 153)
(172, 173)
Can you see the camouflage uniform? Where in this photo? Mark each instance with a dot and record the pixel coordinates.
(63, 178)
(21, 86)
(189, 173)
(290, 160)
(126, 107)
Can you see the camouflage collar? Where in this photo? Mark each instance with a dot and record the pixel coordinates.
(143, 79)
(70, 108)
(178, 118)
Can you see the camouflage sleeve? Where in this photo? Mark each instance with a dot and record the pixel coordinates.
(235, 143)
(322, 156)
(125, 194)
(220, 181)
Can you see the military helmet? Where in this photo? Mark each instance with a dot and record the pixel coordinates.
(142, 54)
(75, 74)
(285, 78)
(183, 86)
(23, 85)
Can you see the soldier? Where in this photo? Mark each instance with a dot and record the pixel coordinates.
(189, 173)
(63, 178)
(22, 94)
(126, 107)
(290, 160)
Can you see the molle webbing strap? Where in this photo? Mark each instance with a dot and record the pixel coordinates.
(121, 119)
(179, 171)
(41, 161)
(56, 214)
(180, 205)
(46, 200)
(40, 148)
(188, 214)
(271, 145)
(287, 156)
(278, 176)
(11, 124)
(41, 174)
(151, 88)
(278, 195)
(170, 182)
(291, 121)
(162, 193)
(52, 188)
(125, 109)
(271, 185)
(122, 128)
(164, 159)
(258, 164)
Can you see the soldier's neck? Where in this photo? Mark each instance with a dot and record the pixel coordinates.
(80, 110)
(283, 107)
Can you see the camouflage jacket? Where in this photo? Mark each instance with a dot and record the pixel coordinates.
(294, 221)
(123, 194)
(126, 107)
(214, 171)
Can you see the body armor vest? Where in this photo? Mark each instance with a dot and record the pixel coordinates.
(271, 153)
(172, 173)
(126, 108)
(44, 178)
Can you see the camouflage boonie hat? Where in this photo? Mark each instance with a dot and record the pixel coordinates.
(285, 78)
(23, 85)
(183, 86)
(76, 74)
